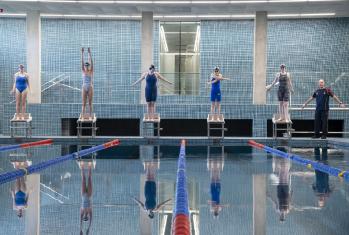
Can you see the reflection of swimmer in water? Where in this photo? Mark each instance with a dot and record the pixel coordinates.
(149, 205)
(321, 185)
(86, 195)
(282, 171)
(20, 194)
(215, 167)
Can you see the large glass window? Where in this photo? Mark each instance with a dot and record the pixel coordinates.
(180, 57)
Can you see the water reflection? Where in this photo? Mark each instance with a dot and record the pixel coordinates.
(321, 186)
(149, 206)
(19, 191)
(86, 195)
(215, 165)
(282, 178)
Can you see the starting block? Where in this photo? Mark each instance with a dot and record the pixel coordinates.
(215, 122)
(282, 126)
(23, 122)
(152, 123)
(87, 122)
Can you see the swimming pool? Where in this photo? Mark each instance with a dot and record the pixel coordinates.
(258, 193)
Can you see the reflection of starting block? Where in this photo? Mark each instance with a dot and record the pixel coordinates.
(19, 157)
(215, 160)
(154, 163)
(86, 162)
(88, 159)
(282, 126)
(21, 123)
(215, 122)
(152, 123)
(87, 122)
(21, 164)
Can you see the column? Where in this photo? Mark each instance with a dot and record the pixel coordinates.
(34, 56)
(260, 58)
(259, 204)
(32, 213)
(147, 47)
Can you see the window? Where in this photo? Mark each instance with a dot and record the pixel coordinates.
(180, 57)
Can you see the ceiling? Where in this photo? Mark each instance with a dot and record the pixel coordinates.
(182, 7)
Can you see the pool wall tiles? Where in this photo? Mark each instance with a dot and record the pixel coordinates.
(117, 48)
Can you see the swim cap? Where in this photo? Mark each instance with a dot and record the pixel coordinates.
(282, 66)
(87, 64)
(151, 67)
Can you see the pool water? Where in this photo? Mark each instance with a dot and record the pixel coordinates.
(258, 193)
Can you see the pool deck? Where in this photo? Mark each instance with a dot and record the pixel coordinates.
(175, 140)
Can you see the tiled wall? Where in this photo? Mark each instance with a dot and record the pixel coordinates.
(116, 54)
(311, 49)
(12, 53)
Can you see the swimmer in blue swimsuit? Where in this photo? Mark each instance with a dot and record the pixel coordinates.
(151, 77)
(215, 82)
(87, 82)
(283, 78)
(20, 194)
(86, 195)
(149, 206)
(20, 85)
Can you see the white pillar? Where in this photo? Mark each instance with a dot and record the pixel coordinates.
(34, 56)
(32, 213)
(147, 47)
(259, 204)
(260, 58)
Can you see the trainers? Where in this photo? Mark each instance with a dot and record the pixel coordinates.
(315, 137)
(323, 137)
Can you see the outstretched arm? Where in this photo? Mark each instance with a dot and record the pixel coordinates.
(140, 204)
(162, 205)
(273, 83)
(306, 102)
(162, 78)
(338, 101)
(90, 61)
(140, 79)
(82, 60)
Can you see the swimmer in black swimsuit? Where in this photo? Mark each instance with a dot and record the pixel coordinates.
(285, 86)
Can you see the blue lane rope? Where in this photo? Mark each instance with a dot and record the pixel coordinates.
(181, 200)
(9, 176)
(25, 145)
(305, 162)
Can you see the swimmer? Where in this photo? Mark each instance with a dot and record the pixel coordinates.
(285, 86)
(151, 77)
(87, 81)
(20, 88)
(215, 81)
